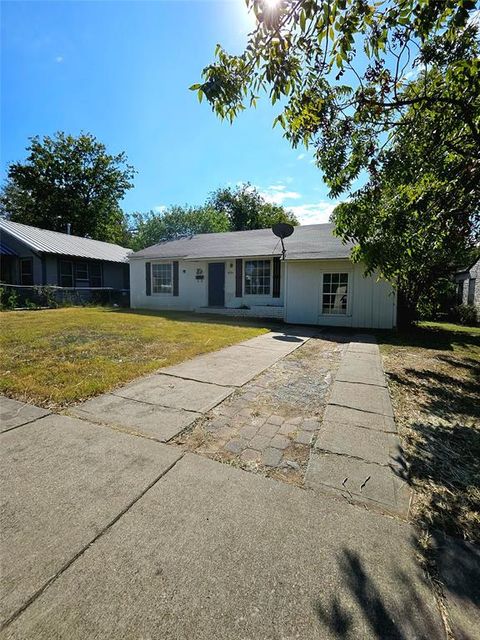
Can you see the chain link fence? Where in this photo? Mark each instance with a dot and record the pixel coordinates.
(14, 296)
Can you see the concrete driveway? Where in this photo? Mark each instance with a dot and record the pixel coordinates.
(114, 534)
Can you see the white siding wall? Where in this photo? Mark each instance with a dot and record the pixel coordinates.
(193, 293)
(372, 303)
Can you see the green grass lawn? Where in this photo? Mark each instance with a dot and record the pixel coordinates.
(61, 356)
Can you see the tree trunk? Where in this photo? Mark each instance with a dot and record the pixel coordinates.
(407, 309)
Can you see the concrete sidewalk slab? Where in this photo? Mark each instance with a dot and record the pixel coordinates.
(233, 366)
(177, 393)
(280, 342)
(62, 481)
(153, 421)
(359, 481)
(363, 347)
(372, 446)
(458, 564)
(363, 397)
(344, 415)
(214, 553)
(361, 368)
(15, 414)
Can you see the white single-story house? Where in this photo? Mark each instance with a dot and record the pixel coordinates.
(243, 273)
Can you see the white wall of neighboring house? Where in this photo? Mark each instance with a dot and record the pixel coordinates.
(468, 286)
(371, 303)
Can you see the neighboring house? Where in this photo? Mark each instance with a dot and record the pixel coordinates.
(33, 256)
(468, 285)
(242, 273)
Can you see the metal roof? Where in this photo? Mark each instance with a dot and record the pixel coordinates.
(308, 242)
(45, 241)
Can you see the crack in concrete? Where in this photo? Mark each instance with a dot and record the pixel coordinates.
(80, 553)
(213, 384)
(154, 404)
(375, 413)
(366, 384)
(352, 457)
(27, 422)
(362, 426)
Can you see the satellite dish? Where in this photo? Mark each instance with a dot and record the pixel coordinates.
(283, 230)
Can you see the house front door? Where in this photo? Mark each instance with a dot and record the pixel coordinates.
(216, 284)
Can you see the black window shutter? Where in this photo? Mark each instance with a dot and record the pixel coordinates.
(148, 279)
(238, 277)
(175, 278)
(276, 278)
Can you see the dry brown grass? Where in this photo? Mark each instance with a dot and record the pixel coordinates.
(60, 356)
(433, 374)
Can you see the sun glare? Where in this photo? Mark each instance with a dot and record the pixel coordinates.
(272, 4)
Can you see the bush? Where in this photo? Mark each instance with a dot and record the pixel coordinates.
(437, 302)
(466, 314)
(46, 294)
(8, 298)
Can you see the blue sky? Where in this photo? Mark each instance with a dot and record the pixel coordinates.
(121, 70)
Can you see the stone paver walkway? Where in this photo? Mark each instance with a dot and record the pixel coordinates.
(269, 424)
(357, 453)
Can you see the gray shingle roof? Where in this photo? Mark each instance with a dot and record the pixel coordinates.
(308, 242)
(45, 241)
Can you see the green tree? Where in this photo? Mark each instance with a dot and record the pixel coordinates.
(340, 69)
(417, 219)
(387, 91)
(152, 228)
(69, 180)
(246, 209)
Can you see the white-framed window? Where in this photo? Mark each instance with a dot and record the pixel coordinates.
(26, 271)
(95, 274)
(257, 277)
(162, 277)
(66, 273)
(335, 294)
(81, 274)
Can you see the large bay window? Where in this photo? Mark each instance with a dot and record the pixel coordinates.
(335, 293)
(162, 277)
(257, 277)
(80, 273)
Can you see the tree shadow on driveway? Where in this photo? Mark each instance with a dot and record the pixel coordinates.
(397, 613)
